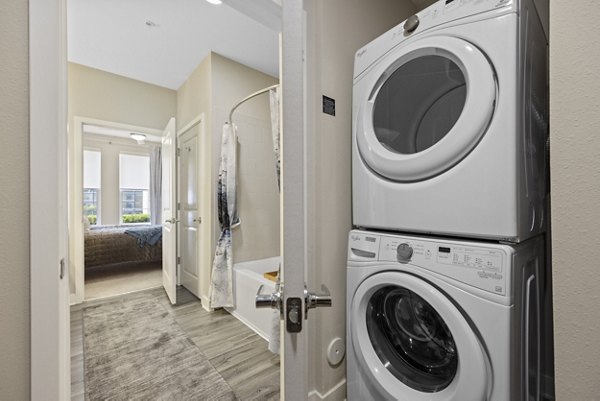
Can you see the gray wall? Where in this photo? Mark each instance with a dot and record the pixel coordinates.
(14, 201)
(575, 186)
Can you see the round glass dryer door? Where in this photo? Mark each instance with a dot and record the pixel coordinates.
(427, 106)
(413, 343)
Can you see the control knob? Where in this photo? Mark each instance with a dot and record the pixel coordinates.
(404, 252)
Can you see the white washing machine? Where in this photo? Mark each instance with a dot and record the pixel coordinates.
(450, 123)
(433, 319)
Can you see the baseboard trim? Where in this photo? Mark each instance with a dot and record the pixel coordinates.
(336, 393)
(205, 302)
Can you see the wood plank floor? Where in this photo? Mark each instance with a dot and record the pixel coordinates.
(235, 351)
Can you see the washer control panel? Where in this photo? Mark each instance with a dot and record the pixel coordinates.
(481, 266)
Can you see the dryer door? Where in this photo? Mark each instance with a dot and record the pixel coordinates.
(425, 107)
(412, 342)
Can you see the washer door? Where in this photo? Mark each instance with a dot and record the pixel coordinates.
(412, 342)
(426, 107)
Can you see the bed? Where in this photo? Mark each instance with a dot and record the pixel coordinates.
(106, 245)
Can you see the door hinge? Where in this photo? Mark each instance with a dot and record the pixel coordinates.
(178, 260)
(178, 152)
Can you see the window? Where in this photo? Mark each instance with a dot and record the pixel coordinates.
(91, 185)
(134, 179)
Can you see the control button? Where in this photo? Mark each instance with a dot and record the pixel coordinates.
(411, 24)
(404, 252)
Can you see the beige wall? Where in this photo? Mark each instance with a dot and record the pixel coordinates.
(14, 201)
(575, 191)
(105, 96)
(338, 29)
(211, 90)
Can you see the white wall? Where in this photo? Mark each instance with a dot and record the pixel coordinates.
(575, 192)
(337, 28)
(14, 201)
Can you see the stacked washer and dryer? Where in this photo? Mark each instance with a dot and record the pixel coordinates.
(450, 195)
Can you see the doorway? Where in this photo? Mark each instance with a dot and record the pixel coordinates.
(110, 178)
(42, 38)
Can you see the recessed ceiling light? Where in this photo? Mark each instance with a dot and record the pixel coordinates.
(217, 2)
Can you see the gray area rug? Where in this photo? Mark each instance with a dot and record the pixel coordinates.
(134, 350)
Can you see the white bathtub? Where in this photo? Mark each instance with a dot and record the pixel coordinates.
(247, 277)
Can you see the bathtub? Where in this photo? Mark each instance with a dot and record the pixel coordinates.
(247, 277)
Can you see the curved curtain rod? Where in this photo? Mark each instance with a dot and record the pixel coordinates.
(238, 104)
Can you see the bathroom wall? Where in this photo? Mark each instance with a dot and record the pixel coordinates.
(337, 28)
(258, 197)
(575, 193)
(211, 90)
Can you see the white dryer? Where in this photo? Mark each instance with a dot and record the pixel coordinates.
(450, 123)
(432, 319)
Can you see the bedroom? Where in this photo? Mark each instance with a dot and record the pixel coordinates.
(121, 211)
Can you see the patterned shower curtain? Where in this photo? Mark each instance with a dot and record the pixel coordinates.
(274, 342)
(221, 287)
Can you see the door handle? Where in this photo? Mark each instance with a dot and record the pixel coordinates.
(273, 301)
(172, 221)
(317, 300)
(293, 308)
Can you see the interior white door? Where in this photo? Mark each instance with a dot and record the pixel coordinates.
(189, 214)
(169, 211)
(295, 348)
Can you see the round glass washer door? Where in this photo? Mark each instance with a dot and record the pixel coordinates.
(426, 106)
(413, 343)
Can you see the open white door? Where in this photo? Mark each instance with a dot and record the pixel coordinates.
(169, 211)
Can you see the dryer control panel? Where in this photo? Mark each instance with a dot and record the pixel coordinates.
(484, 266)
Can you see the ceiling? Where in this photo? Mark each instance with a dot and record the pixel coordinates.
(162, 41)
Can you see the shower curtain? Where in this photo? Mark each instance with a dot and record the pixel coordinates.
(221, 286)
(276, 133)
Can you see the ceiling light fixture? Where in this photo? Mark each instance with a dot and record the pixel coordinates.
(217, 2)
(140, 138)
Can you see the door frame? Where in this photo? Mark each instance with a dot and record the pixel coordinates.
(49, 292)
(75, 180)
(205, 232)
(50, 360)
